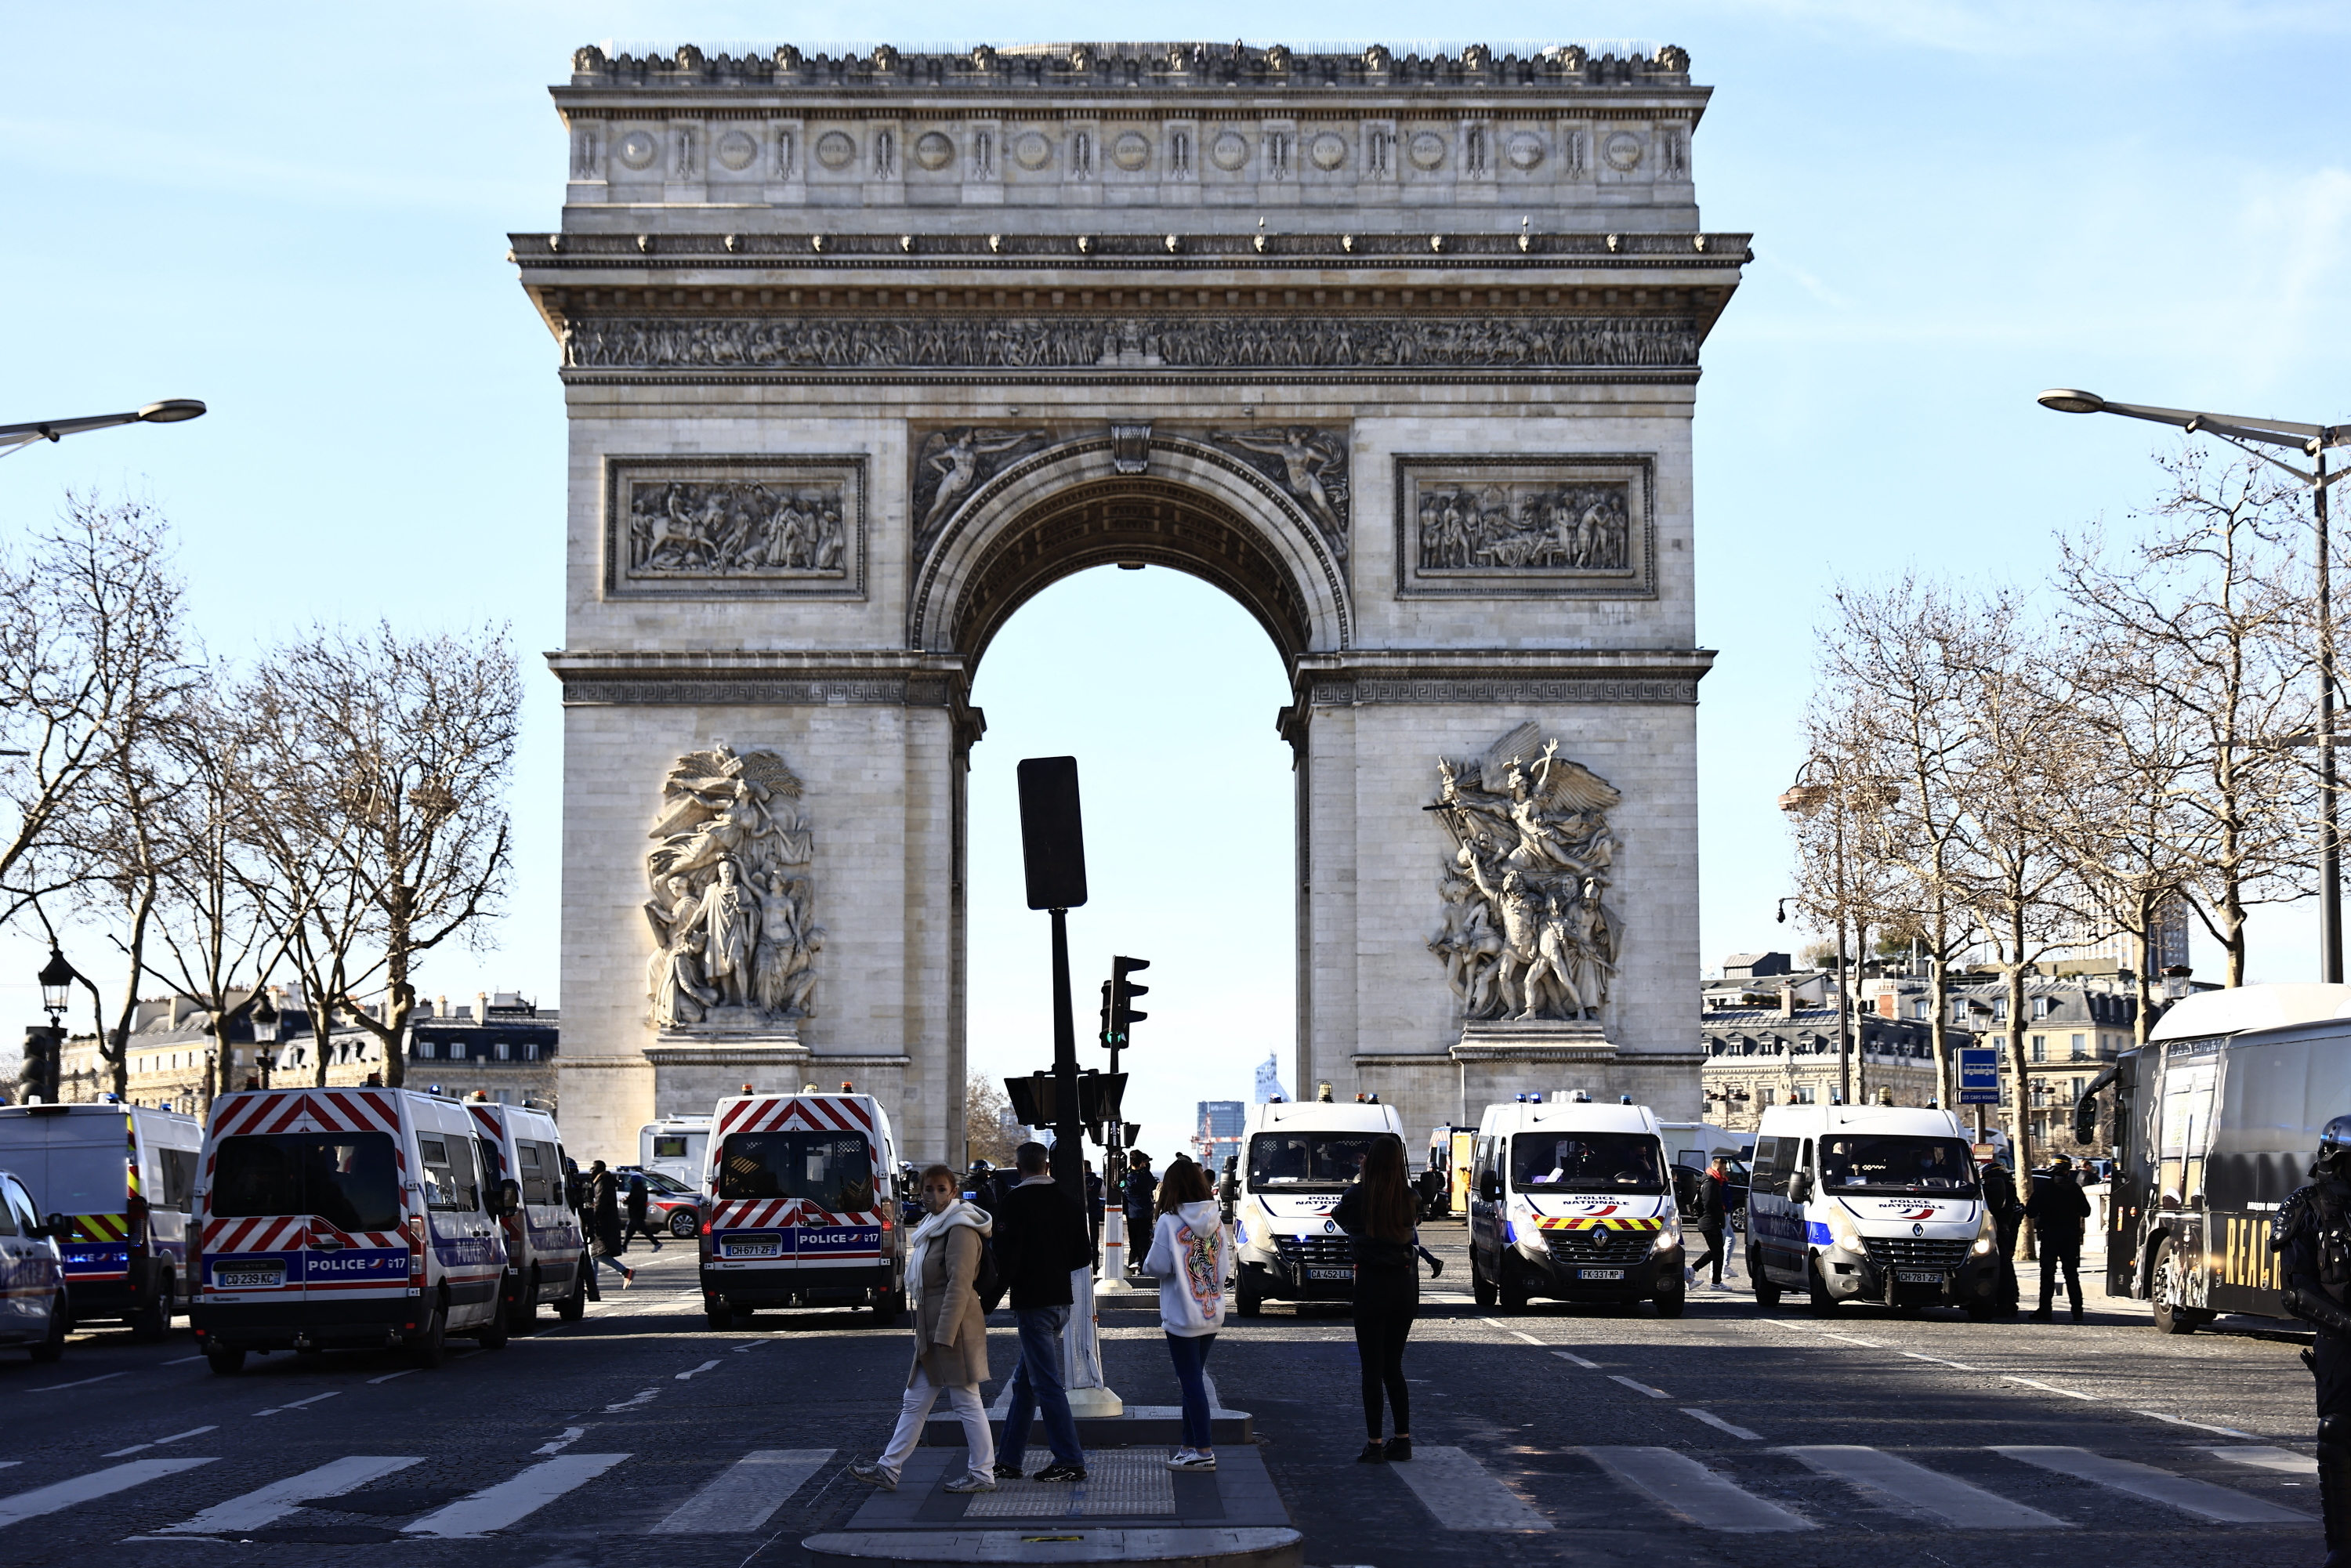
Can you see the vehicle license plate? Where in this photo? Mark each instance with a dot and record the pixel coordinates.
(1330, 1273)
(268, 1279)
(761, 1247)
(1600, 1273)
(1918, 1277)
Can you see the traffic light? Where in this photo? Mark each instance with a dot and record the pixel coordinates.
(1123, 992)
(1104, 1038)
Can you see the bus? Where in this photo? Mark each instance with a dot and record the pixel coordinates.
(2217, 1118)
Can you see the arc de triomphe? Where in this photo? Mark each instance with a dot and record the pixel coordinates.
(861, 353)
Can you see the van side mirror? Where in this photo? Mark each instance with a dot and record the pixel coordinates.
(1491, 1189)
(510, 1197)
(55, 1227)
(2086, 1119)
(1799, 1187)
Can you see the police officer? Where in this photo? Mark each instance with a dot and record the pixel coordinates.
(2058, 1211)
(2314, 1231)
(2000, 1197)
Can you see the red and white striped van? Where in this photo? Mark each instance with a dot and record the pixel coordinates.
(547, 1255)
(346, 1217)
(800, 1211)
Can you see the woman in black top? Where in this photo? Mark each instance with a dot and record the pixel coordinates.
(1377, 1216)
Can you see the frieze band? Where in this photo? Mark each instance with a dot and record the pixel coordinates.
(1496, 690)
(909, 691)
(1110, 344)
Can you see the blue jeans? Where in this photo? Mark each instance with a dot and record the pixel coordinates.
(1037, 1387)
(1191, 1356)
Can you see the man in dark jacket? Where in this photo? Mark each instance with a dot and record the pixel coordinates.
(2057, 1210)
(1040, 1242)
(1137, 1195)
(2314, 1233)
(640, 1204)
(2000, 1199)
(1713, 1213)
(604, 1215)
(1097, 1205)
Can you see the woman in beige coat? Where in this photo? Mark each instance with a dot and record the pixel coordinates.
(950, 1335)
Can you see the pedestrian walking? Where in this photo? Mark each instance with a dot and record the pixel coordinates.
(1135, 1190)
(1713, 1215)
(640, 1201)
(2058, 1211)
(2314, 1233)
(1191, 1257)
(2000, 1199)
(950, 1334)
(1377, 1214)
(1040, 1243)
(604, 1215)
(575, 1198)
(1097, 1205)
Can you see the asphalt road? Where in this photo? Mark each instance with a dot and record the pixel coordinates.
(1562, 1435)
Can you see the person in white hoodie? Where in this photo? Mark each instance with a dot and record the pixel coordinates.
(1191, 1257)
(950, 1335)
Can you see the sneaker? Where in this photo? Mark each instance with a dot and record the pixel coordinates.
(628, 1278)
(1373, 1454)
(656, 1246)
(873, 1476)
(1190, 1459)
(971, 1483)
(1689, 1276)
(1005, 1472)
(1058, 1472)
(1399, 1449)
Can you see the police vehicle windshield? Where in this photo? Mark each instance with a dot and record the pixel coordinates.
(348, 1179)
(1310, 1162)
(1586, 1161)
(835, 1171)
(1877, 1162)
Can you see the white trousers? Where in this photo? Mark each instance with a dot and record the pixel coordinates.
(921, 1394)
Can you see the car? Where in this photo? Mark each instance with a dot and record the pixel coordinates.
(669, 1204)
(34, 1309)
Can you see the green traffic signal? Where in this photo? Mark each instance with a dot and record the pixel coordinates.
(1122, 990)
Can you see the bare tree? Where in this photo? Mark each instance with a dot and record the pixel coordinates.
(984, 1105)
(1834, 812)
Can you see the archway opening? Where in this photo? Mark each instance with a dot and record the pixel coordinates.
(1165, 689)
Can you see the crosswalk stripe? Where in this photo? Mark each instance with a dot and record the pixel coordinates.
(97, 1483)
(1456, 1488)
(2201, 1499)
(275, 1501)
(1695, 1493)
(494, 1508)
(1914, 1488)
(746, 1493)
(2283, 1460)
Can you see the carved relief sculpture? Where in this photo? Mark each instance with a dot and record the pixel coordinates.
(1528, 932)
(1310, 465)
(1523, 525)
(734, 948)
(949, 464)
(1512, 525)
(731, 527)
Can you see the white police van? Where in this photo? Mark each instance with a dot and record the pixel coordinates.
(1297, 1160)
(1576, 1201)
(800, 1211)
(112, 1182)
(347, 1216)
(1868, 1203)
(547, 1252)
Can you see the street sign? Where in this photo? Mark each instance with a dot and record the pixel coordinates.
(1979, 1075)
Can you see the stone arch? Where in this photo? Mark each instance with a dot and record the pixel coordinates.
(1191, 508)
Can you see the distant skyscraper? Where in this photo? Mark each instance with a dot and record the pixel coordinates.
(1269, 1081)
(1218, 1130)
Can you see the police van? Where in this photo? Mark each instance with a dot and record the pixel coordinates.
(1298, 1159)
(347, 1216)
(1869, 1203)
(118, 1179)
(1573, 1200)
(799, 1207)
(676, 1146)
(546, 1253)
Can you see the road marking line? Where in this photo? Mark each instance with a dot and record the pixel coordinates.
(1456, 1488)
(1939, 1361)
(754, 1345)
(1570, 1355)
(388, 1376)
(494, 1508)
(570, 1436)
(746, 1493)
(96, 1484)
(1528, 1337)
(2283, 1460)
(53, 1388)
(2201, 1499)
(1711, 1419)
(1851, 1339)
(184, 1361)
(2049, 1387)
(1694, 1493)
(1638, 1387)
(646, 1396)
(685, 1376)
(1914, 1488)
(2200, 1426)
(300, 1403)
(275, 1501)
(142, 1448)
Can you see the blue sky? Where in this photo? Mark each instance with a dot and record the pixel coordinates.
(299, 215)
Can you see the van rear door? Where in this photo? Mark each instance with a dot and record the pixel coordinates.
(306, 1197)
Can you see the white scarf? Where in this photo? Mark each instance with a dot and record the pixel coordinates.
(934, 1228)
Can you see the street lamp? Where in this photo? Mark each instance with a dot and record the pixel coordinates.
(56, 979)
(2312, 440)
(264, 1019)
(171, 410)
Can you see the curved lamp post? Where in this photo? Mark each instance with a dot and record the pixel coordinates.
(171, 410)
(2312, 441)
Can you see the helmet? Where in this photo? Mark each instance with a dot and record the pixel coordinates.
(2335, 1143)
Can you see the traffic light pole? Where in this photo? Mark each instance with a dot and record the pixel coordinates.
(1069, 1128)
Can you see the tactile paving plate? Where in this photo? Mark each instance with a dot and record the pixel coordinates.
(1129, 1484)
